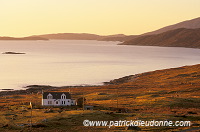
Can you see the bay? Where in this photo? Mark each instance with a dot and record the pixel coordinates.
(83, 62)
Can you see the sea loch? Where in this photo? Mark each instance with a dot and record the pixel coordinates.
(81, 62)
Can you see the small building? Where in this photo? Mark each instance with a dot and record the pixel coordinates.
(88, 107)
(57, 99)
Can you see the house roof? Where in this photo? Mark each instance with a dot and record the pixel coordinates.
(56, 95)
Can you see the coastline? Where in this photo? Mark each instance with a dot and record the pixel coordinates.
(168, 94)
(36, 89)
(30, 89)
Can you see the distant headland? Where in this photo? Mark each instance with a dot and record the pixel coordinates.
(23, 38)
(183, 34)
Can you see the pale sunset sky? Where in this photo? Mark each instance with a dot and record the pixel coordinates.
(104, 17)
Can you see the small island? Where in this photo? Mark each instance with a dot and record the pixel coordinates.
(13, 53)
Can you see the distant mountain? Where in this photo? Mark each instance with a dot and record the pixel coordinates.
(24, 38)
(70, 36)
(73, 36)
(174, 38)
(83, 36)
(33, 38)
(115, 35)
(190, 24)
(119, 38)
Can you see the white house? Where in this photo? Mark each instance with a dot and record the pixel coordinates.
(57, 99)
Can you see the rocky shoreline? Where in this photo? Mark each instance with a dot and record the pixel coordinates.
(131, 78)
(32, 89)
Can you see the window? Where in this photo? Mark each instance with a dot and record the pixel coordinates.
(63, 96)
(49, 102)
(49, 96)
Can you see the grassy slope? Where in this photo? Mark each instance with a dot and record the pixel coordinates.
(162, 94)
(174, 38)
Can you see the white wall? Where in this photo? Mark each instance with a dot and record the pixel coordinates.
(68, 102)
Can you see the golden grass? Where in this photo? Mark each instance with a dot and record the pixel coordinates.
(154, 95)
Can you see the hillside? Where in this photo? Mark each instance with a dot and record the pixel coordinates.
(169, 94)
(71, 36)
(190, 24)
(119, 38)
(33, 38)
(182, 37)
(84, 36)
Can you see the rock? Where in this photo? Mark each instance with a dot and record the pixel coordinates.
(184, 116)
(102, 94)
(5, 126)
(39, 125)
(24, 111)
(132, 115)
(49, 111)
(13, 53)
(109, 113)
(60, 111)
(191, 112)
(44, 120)
(195, 124)
(133, 128)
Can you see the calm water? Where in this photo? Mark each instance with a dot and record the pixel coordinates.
(71, 62)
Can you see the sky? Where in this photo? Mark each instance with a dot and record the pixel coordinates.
(104, 17)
